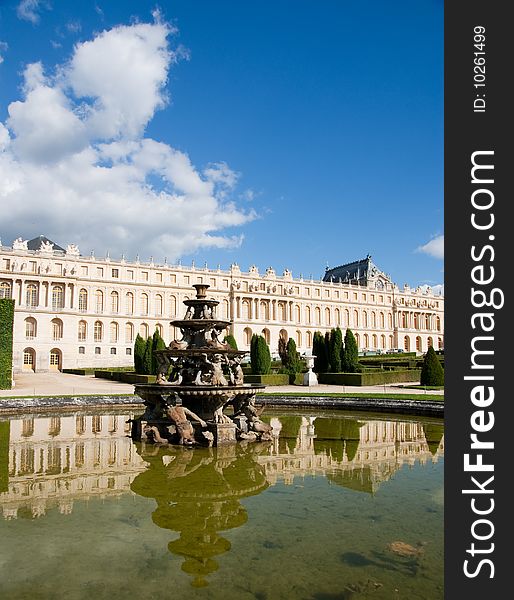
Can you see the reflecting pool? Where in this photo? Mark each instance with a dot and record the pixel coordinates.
(338, 506)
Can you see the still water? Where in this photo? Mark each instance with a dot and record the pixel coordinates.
(339, 506)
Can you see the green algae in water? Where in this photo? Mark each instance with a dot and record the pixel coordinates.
(337, 507)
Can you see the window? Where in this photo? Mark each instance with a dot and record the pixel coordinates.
(99, 271)
(28, 358)
(186, 279)
(7, 264)
(84, 271)
(33, 266)
(115, 273)
(158, 277)
(5, 289)
(99, 301)
(144, 304)
(57, 329)
(143, 330)
(98, 350)
(113, 350)
(129, 303)
(58, 268)
(130, 274)
(83, 300)
(82, 349)
(115, 302)
(31, 295)
(128, 351)
(98, 331)
(158, 305)
(82, 332)
(173, 278)
(144, 275)
(114, 332)
(57, 297)
(30, 328)
(129, 332)
(173, 306)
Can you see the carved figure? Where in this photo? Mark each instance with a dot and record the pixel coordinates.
(72, 249)
(153, 432)
(46, 247)
(19, 244)
(161, 379)
(177, 415)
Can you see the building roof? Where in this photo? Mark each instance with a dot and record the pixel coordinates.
(35, 243)
(357, 271)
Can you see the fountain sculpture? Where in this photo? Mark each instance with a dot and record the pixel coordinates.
(198, 377)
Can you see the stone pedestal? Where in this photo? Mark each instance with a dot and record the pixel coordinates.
(310, 378)
(224, 433)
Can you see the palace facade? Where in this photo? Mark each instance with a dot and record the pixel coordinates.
(74, 311)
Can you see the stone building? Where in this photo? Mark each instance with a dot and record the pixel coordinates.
(76, 311)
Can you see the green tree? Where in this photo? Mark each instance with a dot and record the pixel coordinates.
(319, 351)
(350, 353)
(231, 341)
(147, 357)
(292, 362)
(6, 342)
(282, 349)
(334, 350)
(139, 353)
(157, 344)
(432, 372)
(260, 357)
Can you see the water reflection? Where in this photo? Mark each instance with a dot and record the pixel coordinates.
(48, 462)
(198, 493)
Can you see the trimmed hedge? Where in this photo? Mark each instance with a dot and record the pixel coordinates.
(125, 377)
(270, 379)
(399, 376)
(6, 334)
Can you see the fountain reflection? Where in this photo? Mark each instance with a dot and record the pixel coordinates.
(198, 493)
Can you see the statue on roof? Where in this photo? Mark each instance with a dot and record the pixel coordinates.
(46, 247)
(72, 249)
(20, 244)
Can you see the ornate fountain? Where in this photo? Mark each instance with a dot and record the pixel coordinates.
(198, 378)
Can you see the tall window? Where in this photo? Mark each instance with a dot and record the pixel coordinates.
(57, 328)
(31, 295)
(5, 289)
(129, 303)
(144, 304)
(158, 305)
(247, 333)
(57, 297)
(143, 330)
(98, 331)
(173, 306)
(83, 300)
(159, 328)
(82, 331)
(99, 301)
(115, 302)
(114, 331)
(30, 328)
(327, 316)
(129, 332)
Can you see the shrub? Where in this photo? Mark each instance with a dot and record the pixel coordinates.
(282, 350)
(320, 352)
(349, 354)
(139, 353)
(260, 357)
(157, 344)
(231, 341)
(6, 333)
(148, 356)
(334, 350)
(292, 360)
(432, 372)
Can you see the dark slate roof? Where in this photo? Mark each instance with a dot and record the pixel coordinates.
(36, 243)
(357, 271)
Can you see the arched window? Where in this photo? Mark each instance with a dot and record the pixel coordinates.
(247, 335)
(83, 300)
(57, 329)
(374, 341)
(283, 334)
(115, 302)
(308, 339)
(297, 313)
(158, 305)
(225, 313)
(266, 335)
(246, 310)
(389, 321)
(440, 343)
(143, 330)
(406, 343)
(419, 346)
(298, 338)
(438, 323)
(355, 318)
(346, 318)
(391, 341)
(416, 321)
(427, 322)
(29, 359)
(373, 319)
(405, 321)
(57, 297)
(358, 340)
(430, 342)
(382, 320)
(82, 333)
(30, 328)
(173, 305)
(383, 341)
(55, 365)
(366, 341)
(5, 289)
(365, 319)
(338, 317)
(159, 329)
(264, 310)
(282, 311)
(308, 315)
(99, 301)
(327, 316)
(317, 315)
(31, 295)
(129, 303)
(98, 331)
(113, 331)
(144, 304)
(129, 332)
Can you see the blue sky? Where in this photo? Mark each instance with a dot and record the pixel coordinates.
(292, 134)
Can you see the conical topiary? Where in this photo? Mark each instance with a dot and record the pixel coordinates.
(432, 372)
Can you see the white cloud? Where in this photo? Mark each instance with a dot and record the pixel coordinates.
(28, 10)
(75, 161)
(3, 47)
(437, 290)
(435, 247)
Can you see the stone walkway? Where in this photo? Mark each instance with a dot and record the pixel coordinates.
(63, 384)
